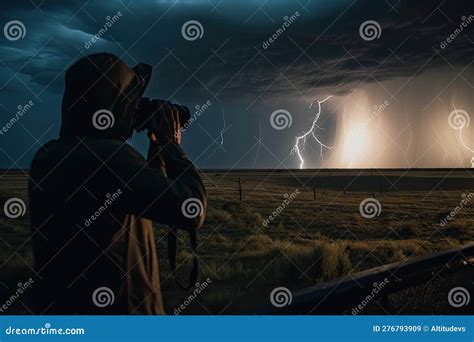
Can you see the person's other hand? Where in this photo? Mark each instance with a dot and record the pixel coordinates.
(168, 125)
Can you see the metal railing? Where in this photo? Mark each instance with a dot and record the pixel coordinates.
(419, 285)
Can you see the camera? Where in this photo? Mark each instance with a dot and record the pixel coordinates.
(149, 112)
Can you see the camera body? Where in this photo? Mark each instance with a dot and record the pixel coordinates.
(149, 113)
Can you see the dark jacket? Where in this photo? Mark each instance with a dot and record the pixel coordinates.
(92, 197)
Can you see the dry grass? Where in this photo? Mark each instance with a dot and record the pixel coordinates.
(310, 241)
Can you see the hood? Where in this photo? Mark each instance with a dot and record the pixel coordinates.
(100, 97)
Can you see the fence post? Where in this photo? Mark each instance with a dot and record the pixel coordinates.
(240, 189)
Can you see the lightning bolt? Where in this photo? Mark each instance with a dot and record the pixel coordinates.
(302, 138)
(223, 127)
(221, 134)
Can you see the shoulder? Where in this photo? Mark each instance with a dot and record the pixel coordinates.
(119, 157)
(111, 149)
(86, 151)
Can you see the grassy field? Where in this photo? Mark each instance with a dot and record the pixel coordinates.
(317, 234)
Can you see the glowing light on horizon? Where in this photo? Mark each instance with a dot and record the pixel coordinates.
(387, 134)
(360, 136)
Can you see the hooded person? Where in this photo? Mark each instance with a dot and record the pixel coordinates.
(92, 196)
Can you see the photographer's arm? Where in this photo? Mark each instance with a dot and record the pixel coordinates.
(158, 196)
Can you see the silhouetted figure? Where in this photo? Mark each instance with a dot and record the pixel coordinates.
(93, 197)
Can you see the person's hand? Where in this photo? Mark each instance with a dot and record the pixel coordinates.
(167, 123)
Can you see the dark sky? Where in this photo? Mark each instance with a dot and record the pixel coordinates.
(321, 52)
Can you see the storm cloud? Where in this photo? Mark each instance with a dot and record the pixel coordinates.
(251, 58)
